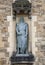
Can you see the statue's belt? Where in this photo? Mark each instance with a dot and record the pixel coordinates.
(21, 35)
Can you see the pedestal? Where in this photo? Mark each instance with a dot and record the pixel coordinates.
(22, 59)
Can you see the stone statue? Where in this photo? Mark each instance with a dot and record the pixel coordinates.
(22, 36)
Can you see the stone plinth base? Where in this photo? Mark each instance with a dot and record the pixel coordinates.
(22, 59)
(22, 64)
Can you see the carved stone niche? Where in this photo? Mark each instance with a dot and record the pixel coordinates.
(21, 7)
(22, 56)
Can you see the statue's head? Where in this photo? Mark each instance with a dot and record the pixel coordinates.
(21, 19)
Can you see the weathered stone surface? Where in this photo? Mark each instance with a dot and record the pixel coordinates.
(7, 54)
(1, 43)
(3, 61)
(38, 9)
(2, 49)
(6, 44)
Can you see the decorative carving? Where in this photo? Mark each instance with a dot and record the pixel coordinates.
(21, 6)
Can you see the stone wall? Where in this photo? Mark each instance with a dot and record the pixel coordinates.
(38, 10)
(5, 10)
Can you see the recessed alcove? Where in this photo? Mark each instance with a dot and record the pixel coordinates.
(12, 34)
(28, 22)
(21, 15)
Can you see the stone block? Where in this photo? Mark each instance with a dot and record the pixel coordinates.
(2, 55)
(6, 34)
(7, 54)
(1, 43)
(3, 61)
(6, 44)
(4, 39)
(3, 50)
(4, 29)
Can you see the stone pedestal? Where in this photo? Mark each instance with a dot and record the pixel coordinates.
(22, 59)
(23, 63)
